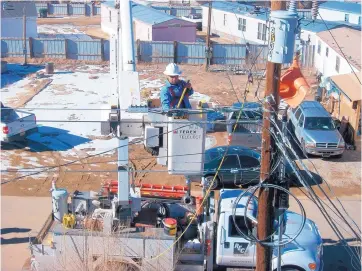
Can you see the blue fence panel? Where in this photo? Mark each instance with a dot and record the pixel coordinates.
(106, 48)
(59, 9)
(84, 50)
(258, 52)
(190, 53)
(77, 9)
(49, 48)
(88, 9)
(97, 9)
(40, 5)
(229, 54)
(13, 47)
(156, 51)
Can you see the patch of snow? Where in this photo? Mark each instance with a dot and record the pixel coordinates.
(65, 31)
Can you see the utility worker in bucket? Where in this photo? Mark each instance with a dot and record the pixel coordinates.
(171, 93)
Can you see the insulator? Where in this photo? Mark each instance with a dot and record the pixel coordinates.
(314, 10)
(293, 6)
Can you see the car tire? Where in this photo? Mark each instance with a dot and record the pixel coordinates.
(209, 179)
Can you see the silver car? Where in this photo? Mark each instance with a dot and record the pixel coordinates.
(315, 130)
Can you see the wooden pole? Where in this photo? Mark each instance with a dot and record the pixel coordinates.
(208, 49)
(265, 206)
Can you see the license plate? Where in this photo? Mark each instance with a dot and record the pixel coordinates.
(326, 155)
(240, 248)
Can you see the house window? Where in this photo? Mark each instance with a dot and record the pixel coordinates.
(346, 18)
(338, 63)
(110, 16)
(261, 31)
(224, 19)
(242, 24)
(319, 48)
(327, 51)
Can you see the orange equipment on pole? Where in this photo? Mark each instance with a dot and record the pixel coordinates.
(293, 86)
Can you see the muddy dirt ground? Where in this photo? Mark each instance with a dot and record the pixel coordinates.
(224, 88)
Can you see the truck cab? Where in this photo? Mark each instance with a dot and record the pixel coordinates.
(232, 250)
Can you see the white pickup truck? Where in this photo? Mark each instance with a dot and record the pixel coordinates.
(16, 124)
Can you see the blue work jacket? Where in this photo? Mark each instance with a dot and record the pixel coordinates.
(171, 94)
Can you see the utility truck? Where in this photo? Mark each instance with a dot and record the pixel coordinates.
(224, 247)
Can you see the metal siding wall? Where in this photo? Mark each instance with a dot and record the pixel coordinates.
(76, 9)
(49, 48)
(229, 54)
(84, 50)
(191, 53)
(180, 11)
(156, 51)
(11, 47)
(60, 9)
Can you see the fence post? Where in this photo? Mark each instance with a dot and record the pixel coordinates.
(174, 51)
(102, 49)
(66, 48)
(68, 9)
(138, 46)
(31, 52)
(85, 9)
(93, 8)
(48, 8)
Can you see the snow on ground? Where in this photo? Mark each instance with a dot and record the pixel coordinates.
(66, 31)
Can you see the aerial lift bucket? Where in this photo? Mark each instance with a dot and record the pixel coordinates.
(293, 86)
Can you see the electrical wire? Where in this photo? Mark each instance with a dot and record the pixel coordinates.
(310, 175)
(329, 220)
(252, 238)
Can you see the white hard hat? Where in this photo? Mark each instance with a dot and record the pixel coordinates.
(172, 69)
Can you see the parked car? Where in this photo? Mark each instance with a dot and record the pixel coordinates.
(16, 124)
(248, 133)
(241, 166)
(315, 130)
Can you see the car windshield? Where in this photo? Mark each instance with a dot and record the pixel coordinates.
(318, 123)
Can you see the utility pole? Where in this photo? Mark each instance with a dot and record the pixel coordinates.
(208, 49)
(265, 206)
(24, 35)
